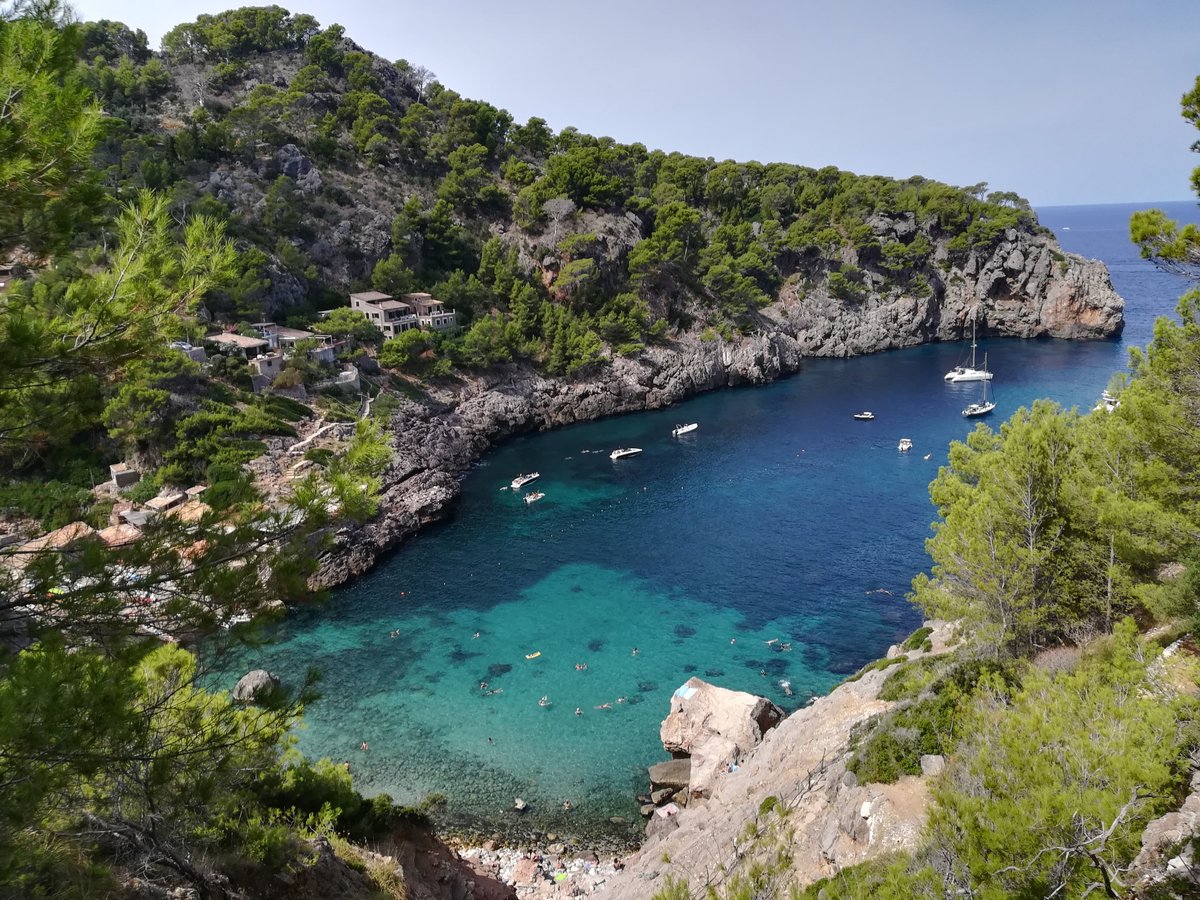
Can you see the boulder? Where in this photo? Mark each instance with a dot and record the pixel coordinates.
(662, 795)
(674, 774)
(527, 872)
(716, 726)
(292, 162)
(933, 764)
(255, 685)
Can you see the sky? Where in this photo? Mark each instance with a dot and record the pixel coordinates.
(1062, 101)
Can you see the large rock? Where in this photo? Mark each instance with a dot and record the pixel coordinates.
(292, 162)
(716, 727)
(255, 685)
(673, 774)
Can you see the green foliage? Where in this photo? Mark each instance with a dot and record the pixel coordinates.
(917, 638)
(345, 322)
(1015, 823)
(47, 133)
(929, 724)
(53, 503)
(404, 350)
(1059, 522)
(239, 33)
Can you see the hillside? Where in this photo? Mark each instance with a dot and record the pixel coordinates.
(339, 171)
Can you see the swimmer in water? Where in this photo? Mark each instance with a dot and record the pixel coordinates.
(620, 699)
(545, 701)
(635, 652)
(578, 711)
(475, 635)
(604, 706)
(363, 746)
(483, 685)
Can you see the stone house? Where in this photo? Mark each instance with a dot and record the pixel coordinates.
(239, 344)
(284, 339)
(431, 314)
(392, 316)
(389, 315)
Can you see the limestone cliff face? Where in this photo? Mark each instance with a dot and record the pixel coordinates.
(1025, 288)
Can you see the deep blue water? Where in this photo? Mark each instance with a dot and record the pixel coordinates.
(780, 518)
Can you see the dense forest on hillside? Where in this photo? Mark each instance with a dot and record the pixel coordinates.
(337, 170)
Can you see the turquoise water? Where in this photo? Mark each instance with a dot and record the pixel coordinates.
(781, 519)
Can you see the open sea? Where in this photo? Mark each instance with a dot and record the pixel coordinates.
(768, 551)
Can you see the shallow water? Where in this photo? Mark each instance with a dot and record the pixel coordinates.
(780, 519)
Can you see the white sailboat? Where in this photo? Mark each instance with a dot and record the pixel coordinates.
(969, 373)
(986, 405)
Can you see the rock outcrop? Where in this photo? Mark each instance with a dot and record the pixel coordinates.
(1167, 853)
(834, 820)
(255, 685)
(715, 727)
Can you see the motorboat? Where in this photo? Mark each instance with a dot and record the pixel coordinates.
(969, 373)
(1108, 403)
(684, 429)
(533, 497)
(521, 480)
(624, 452)
(864, 416)
(905, 445)
(984, 406)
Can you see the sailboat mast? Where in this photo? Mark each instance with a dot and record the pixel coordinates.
(973, 342)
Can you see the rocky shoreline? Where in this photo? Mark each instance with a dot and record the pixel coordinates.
(1027, 287)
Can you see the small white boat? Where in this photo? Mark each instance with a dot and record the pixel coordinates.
(969, 373)
(533, 497)
(905, 445)
(684, 429)
(521, 480)
(986, 405)
(864, 416)
(624, 452)
(1108, 403)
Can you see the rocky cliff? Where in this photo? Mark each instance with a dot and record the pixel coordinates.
(833, 821)
(1025, 288)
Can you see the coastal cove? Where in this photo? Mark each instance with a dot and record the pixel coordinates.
(780, 518)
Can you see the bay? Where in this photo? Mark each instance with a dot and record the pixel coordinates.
(768, 551)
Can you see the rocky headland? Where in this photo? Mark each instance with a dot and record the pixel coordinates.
(1026, 288)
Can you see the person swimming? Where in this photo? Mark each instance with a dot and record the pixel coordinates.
(545, 701)
(483, 685)
(635, 652)
(579, 711)
(620, 699)
(580, 667)
(604, 706)
(475, 635)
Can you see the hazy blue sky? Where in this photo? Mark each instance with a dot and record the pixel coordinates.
(1063, 101)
